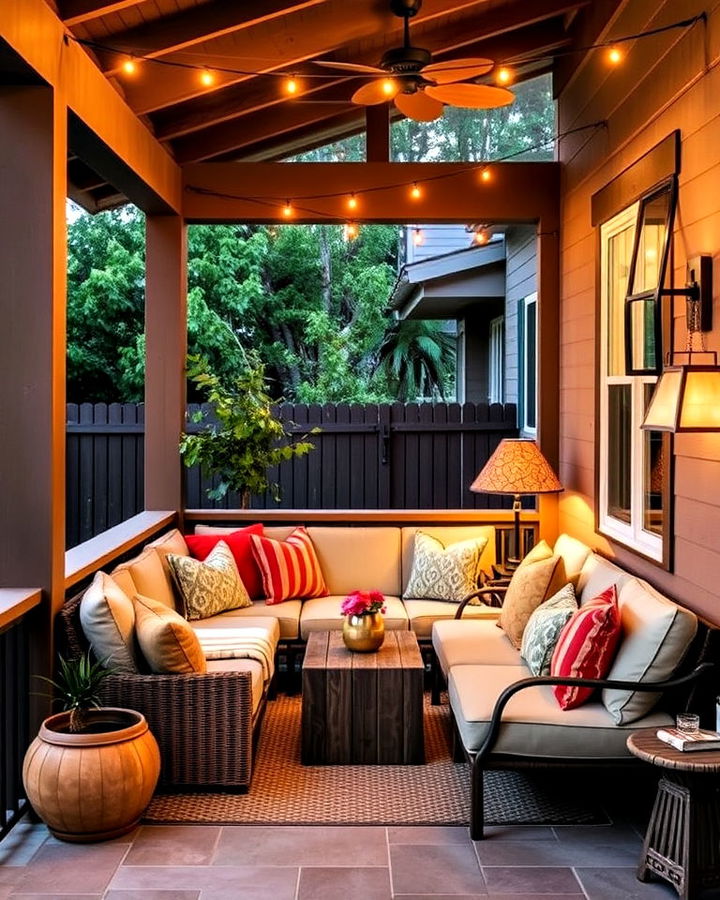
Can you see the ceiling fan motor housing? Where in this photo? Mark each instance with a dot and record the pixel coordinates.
(405, 8)
(406, 60)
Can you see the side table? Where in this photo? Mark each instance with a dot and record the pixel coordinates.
(682, 843)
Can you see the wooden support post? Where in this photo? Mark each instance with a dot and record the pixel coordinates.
(165, 349)
(33, 159)
(377, 133)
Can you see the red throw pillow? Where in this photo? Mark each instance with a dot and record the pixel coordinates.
(586, 647)
(200, 546)
(289, 568)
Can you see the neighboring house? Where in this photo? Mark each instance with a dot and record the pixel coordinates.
(489, 293)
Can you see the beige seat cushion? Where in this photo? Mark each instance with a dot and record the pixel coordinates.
(596, 576)
(323, 614)
(446, 534)
(167, 641)
(573, 554)
(150, 577)
(478, 642)
(234, 619)
(242, 665)
(366, 559)
(531, 584)
(423, 613)
(284, 616)
(107, 617)
(656, 634)
(533, 723)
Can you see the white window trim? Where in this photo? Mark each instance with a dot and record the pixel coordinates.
(526, 303)
(632, 534)
(496, 375)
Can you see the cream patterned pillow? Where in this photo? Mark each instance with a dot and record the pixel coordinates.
(209, 587)
(444, 573)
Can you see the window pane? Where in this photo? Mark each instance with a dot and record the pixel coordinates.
(650, 246)
(619, 250)
(654, 463)
(642, 314)
(618, 463)
(530, 364)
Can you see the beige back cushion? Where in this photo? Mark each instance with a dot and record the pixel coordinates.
(123, 579)
(447, 534)
(573, 553)
(276, 532)
(596, 576)
(150, 576)
(170, 542)
(364, 558)
(656, 634)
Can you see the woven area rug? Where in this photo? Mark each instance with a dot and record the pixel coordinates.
(284, 792)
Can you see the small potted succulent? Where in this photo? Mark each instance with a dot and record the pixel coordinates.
(92, 770)
(364, 626)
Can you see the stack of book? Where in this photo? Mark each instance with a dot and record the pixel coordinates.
(690, 740)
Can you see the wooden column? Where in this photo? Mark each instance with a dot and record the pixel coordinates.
(377, 133)
(165, 349)
(33, 159)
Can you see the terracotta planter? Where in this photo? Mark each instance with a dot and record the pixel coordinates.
(93, 785)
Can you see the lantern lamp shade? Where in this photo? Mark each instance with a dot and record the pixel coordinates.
(517, 467)
(686, 398)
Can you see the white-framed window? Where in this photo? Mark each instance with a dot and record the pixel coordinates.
(527, 312)
(631, 462)
(496, 354)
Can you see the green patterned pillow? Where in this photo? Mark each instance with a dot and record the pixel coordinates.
(543, 629)
(209, 587)
(444, 573)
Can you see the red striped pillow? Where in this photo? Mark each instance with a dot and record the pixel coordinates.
(586, 647)
(289, 568)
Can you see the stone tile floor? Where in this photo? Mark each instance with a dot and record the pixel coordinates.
(185, 862)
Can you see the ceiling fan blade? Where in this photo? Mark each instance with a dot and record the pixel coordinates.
(349, 67)
(471, 96)
(419, 106)
(457, 70)
(375, 92)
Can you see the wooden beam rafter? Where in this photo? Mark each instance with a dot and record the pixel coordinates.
(75, 12)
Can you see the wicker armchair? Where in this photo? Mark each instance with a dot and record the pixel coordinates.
(204, 724)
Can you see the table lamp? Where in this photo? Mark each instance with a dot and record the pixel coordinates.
(516, 467)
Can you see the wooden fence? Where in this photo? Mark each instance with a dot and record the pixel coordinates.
(389, 456)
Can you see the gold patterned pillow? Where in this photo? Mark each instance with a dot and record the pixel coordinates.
(444, 573)
(531, 585)
(209, 587)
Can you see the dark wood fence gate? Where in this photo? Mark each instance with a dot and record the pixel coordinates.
(369, 456)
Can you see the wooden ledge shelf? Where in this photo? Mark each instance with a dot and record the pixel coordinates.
(15, 602)
(354, 516)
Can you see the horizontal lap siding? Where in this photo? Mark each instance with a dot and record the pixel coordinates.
(521, 280)
(659, 87)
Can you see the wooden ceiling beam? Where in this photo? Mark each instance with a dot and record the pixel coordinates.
(268, 47)
(319, 134)
(75, 12)
(184, 29)
(247, 97)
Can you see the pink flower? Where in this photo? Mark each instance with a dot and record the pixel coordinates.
(362, 603)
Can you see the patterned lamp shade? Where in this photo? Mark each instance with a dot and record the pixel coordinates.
(517, 467)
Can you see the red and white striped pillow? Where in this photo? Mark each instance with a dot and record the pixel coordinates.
(289, 568)
(586, 647)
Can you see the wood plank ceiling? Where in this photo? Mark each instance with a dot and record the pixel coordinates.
(245, 114)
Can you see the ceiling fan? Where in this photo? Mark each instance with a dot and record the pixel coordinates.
(419, 87)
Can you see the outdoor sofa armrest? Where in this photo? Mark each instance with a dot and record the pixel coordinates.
(202, 723)
(650, 687)
(494, 595)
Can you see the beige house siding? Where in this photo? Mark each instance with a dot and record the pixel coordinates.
(661, 86)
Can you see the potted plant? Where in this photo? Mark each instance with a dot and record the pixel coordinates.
(245, 439)
(364, 626)
(92, 770)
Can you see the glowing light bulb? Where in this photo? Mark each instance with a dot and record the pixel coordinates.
(481, 236)
(207, 78)
(129, 67)
(352, 202)
(485, 175)
(389, 87)
(291, 85)
(415, 192)
(614, 56)
(288, 209)
(504, 75)
(350, 231)
(418, 237)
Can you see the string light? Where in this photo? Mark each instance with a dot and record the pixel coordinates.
(288, 209)
(415, 191)
(350, 231)
(389, 87)
(418, 237)
(352, 202)
(615, 56)
(129, 67)
(485, 175)
(482, 235)
(207, 78)
(291, 85)
(504, 75)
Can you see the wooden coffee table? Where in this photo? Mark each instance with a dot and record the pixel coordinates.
(362, 708)
(682, 843)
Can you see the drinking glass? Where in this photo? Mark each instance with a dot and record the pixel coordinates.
(688, 723)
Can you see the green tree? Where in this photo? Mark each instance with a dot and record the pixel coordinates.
(417, 359)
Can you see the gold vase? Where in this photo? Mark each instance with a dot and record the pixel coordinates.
(364, 634)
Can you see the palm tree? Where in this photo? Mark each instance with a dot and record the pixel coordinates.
(418, 359)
